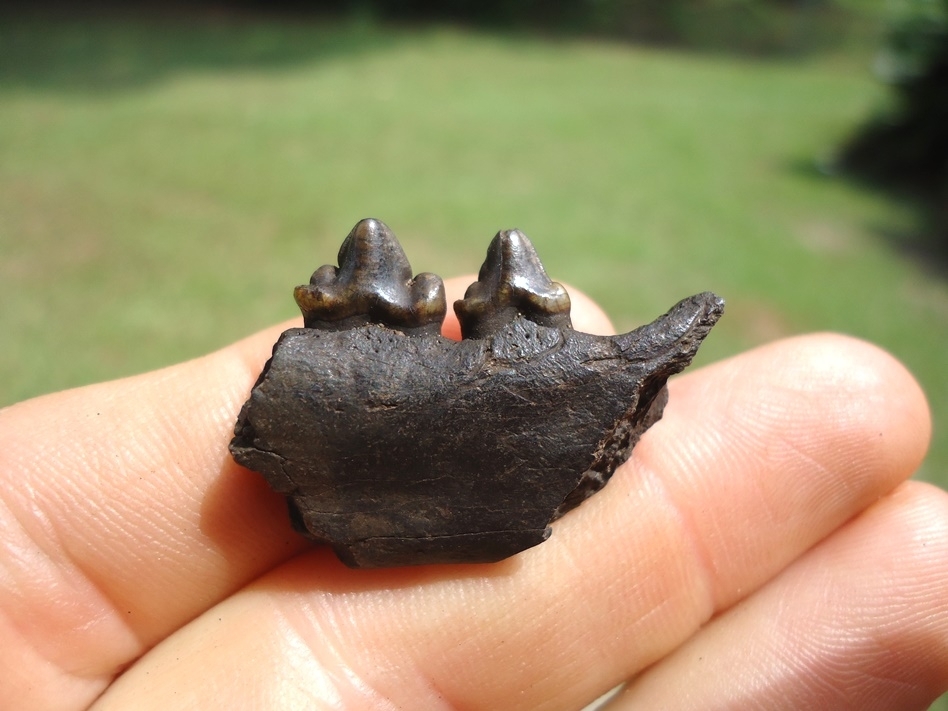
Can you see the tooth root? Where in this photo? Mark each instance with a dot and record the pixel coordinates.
(372, 284)
(511, 282)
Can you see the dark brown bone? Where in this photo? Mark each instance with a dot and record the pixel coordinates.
(403, 448)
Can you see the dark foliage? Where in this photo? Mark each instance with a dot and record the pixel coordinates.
(758, 27)
(906, 148)
(749, 26)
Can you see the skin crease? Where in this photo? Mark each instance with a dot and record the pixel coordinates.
(761, 544)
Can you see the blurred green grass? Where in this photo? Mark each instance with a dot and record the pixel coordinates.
(165, 182)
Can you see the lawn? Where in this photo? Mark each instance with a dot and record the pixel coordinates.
(164, 184)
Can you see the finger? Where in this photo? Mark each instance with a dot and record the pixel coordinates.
(778, 447)
(861, 622)
(122, 516)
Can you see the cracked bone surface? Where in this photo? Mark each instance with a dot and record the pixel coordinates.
(397, 446)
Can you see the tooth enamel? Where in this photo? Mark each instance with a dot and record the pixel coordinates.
(512, 281)
(373, 284)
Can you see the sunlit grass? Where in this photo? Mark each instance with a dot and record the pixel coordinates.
(163, 187)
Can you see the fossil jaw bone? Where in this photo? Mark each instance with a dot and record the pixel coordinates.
(398, 446)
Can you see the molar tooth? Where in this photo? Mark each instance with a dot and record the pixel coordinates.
(511, 281)
(372, 284)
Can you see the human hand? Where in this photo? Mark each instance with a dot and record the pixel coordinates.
(761, 549)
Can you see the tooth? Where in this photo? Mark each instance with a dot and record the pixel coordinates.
(373, 284)
(512, 281)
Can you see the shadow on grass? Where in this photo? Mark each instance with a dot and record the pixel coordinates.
(108, 45)
(111, 49)
(926, 246)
